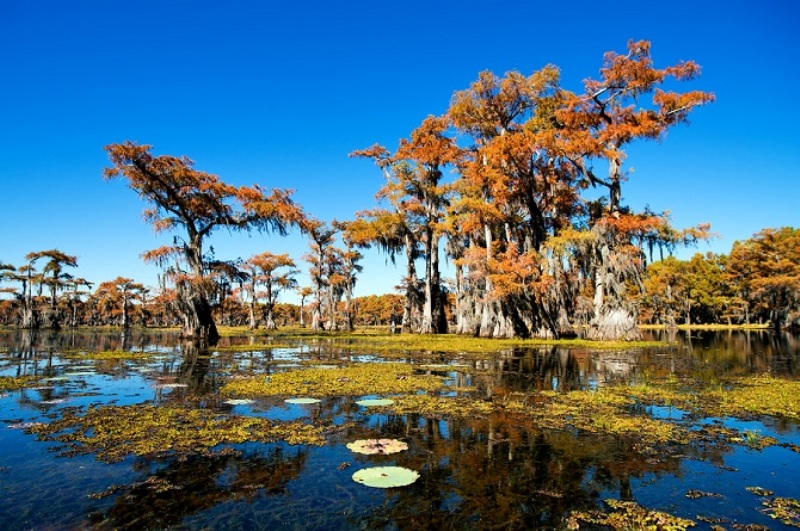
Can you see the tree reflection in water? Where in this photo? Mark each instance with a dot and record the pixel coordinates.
(171, 490)
(499, 470)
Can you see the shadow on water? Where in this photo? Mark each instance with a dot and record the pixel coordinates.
(484, 471)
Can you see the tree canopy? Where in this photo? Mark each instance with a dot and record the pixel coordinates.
(197, 203)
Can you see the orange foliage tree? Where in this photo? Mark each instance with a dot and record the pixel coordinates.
(273, 272)
(531, 253)
(765, 272)
(114, 298)
(198, 203)
(626, 104)
(416, 191)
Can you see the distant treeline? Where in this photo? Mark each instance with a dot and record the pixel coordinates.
(757, 282)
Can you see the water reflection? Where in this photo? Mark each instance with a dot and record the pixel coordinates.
(167, 492)
(488, 471)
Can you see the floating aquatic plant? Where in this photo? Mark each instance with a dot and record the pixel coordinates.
(114, 432)
(760, 395)
(384, 477)
(251, 348)
(9, 383)
(755, 440)
(759, 491)
(377, 446)
(110, 355)
(604, 412)
(453, 406)
(302, 400)
(629, 515)
(238, 401)
(787, 510)
(375, 402)
(170, 385)
(352, 380)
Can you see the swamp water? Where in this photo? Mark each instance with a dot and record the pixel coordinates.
(538, 438)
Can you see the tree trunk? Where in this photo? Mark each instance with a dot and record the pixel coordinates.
(198, 321)
(125, 323)
(614, 317)
(411, 287)
(433, 318)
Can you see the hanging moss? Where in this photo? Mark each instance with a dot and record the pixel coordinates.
(114, 432)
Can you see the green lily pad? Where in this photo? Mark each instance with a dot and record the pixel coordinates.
(385, 477)
(302, 400)
(375, 402)
(377, 446)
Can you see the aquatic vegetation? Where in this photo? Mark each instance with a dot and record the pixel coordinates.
(114, 432)
(467, 344)
(384, 477)
(377, 340)
(10, 383)
(605, 412)
(664, 393)
(757, 395)
(170, 385)
(694, 494)
(787, 510)
(430, 405)
(302, 400)
(754, 439)
(759, 491)
(377, 446)
(375, 402)
(152, 483)
(352, 380)
(238, 402)
(256, 347)
(630, 515)
(110, 355)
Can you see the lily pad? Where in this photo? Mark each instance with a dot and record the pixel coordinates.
(385, 477)
(377, 446)
(368, 402)
(302, 400)
(238, 401)
(171, 386)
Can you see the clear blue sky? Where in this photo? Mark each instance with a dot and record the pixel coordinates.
(278, 93)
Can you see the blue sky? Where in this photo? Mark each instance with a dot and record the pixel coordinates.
(278, 93)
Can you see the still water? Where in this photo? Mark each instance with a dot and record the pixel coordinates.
(475, 473)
